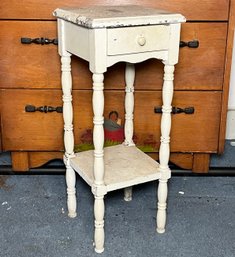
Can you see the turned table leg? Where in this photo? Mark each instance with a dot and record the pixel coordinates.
(129, 109)
(68, 133)
(164, 151)
(129, 104)
(128, 194)
(98, 139)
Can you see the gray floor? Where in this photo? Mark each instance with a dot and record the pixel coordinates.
(201, 219)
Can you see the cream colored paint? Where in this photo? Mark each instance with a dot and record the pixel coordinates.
(141, 34)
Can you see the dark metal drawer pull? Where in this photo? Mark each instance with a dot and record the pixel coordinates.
(45, 109)
(190, 44)
(176, 110)
(39, 41)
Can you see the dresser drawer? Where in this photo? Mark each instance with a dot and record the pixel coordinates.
(196, 132)
(137, 39)
(28, 65)
(38, 66)
(199, 68)
(42, 9)
(34, 65)
(38, 131)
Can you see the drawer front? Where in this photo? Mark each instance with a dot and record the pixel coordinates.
(38, 131)
(199, 68)
(196, 132)
(35, 131)
(33, 65)
(38, 66)
(42, 9)
(137, 39)
(28, 65)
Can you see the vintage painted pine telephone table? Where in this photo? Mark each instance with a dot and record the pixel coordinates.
(105, 35)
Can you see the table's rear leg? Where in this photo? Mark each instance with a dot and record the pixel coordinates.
(129, 109)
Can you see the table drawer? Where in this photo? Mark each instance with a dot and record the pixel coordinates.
(38, 131)
(42, 9)
(137, 39)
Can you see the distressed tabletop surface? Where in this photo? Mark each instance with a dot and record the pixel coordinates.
(124, 166)
(116, 16)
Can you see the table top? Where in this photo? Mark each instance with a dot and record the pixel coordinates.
(116, 16)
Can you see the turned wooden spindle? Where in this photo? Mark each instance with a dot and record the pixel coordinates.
(68, 133)
(129, 109)
(129, 103)
(128, 194)
(164, 151)
(98, 139)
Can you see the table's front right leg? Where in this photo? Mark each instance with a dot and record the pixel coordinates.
(164, 151)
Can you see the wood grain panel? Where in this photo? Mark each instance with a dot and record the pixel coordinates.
(44, 132)
(42, 9)
(190, 133)
(36, 66)
(201, 162)
(20, 161)
(37, 159)
(31, 131)
(199, 68)
(0, 126)
(182, 160)
(227, 71)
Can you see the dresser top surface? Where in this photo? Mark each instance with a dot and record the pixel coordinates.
(116, 16)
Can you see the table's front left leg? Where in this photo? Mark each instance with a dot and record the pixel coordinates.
(98, 139)
(68, 133)
(164, 151)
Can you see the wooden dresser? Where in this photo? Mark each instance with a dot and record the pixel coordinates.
(30, 78)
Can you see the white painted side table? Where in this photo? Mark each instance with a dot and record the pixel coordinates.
(105, 35)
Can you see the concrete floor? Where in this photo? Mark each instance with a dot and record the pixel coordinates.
(201, 219)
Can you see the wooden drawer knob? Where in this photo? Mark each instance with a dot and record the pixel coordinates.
(141, 41)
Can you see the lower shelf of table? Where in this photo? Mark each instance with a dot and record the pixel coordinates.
(124, 166)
